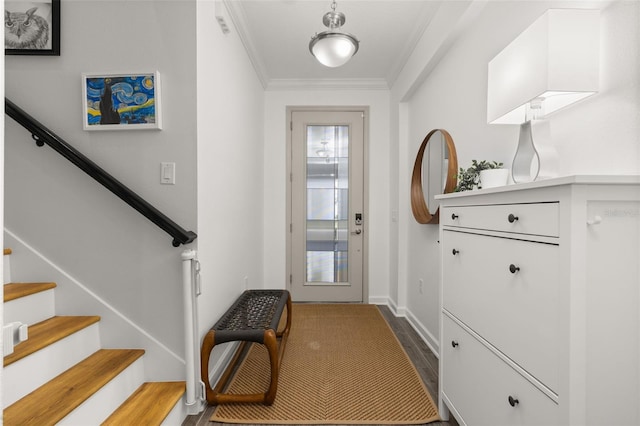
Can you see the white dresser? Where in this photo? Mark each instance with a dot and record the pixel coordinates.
(540, 303)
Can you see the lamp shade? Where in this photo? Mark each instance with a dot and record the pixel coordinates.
(554, 61)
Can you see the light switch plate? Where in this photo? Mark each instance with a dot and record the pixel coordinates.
(168, 173)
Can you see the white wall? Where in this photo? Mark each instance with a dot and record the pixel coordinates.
(230, 169)
(275, 179)
(214, 101)
(71, 219)
(599, 136)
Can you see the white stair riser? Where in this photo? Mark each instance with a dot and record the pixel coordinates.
(97, 408)
(6, 260)
(31, 372)
(30, 309)
(177, 415)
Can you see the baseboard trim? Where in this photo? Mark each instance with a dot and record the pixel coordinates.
(423, 332)
(403, 312)
(379, 301)
(388, 302)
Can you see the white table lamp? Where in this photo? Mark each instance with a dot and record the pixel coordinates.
(550, 65)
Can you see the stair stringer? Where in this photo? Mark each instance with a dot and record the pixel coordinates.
(73, 298)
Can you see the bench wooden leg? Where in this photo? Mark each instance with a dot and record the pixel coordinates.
(205, 354)
(216, 395)
(271, 342)
(285, 331)
(284, 334)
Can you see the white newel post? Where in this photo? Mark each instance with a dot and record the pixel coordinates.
(190, 283)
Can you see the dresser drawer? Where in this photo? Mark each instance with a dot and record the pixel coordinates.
(517, 312)
(531, 219)
(479, 384)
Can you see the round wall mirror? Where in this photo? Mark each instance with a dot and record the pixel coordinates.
(434, 173)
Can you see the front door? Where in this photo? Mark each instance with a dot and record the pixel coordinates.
(327, 206)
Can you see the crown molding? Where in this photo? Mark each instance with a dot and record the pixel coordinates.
(407, 50)
(237, 14)
(328, 84)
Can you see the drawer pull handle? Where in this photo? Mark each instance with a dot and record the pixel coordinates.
(454, 251)
(513, 268)
(513, 401)
(454, 343)
(454, 216)
(512, 218)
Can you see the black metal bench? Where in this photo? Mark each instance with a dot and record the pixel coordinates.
(254, 317)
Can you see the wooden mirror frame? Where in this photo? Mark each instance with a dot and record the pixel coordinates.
(418, 204)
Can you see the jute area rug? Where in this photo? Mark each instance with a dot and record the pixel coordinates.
(342, 365)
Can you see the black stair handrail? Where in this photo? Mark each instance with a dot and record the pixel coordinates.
(43, 135)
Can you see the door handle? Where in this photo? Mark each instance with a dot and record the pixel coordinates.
(356, 232)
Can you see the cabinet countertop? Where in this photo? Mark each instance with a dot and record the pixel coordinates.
(563, 180)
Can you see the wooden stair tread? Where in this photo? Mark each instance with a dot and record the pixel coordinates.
(148, 405)
(47, 332)
(14, 291)
(54, 400)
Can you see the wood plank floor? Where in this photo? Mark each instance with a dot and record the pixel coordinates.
(426, 363)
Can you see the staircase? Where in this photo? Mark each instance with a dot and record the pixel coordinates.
(61, 375)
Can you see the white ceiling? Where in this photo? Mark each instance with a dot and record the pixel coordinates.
(276, 34)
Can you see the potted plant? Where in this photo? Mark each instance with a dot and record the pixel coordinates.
(471, 178)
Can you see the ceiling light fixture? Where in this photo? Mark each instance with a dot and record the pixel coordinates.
(333, 48)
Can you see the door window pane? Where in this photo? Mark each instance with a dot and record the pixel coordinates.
(327, 183)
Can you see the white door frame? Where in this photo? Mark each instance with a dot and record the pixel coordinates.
(366, 227)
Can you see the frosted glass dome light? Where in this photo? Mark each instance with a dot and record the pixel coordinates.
(333, 48)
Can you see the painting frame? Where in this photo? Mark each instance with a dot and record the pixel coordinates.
(54, 27)
(133, 101)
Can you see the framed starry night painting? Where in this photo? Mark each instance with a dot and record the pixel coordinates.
(32, 27)
(121, 101)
